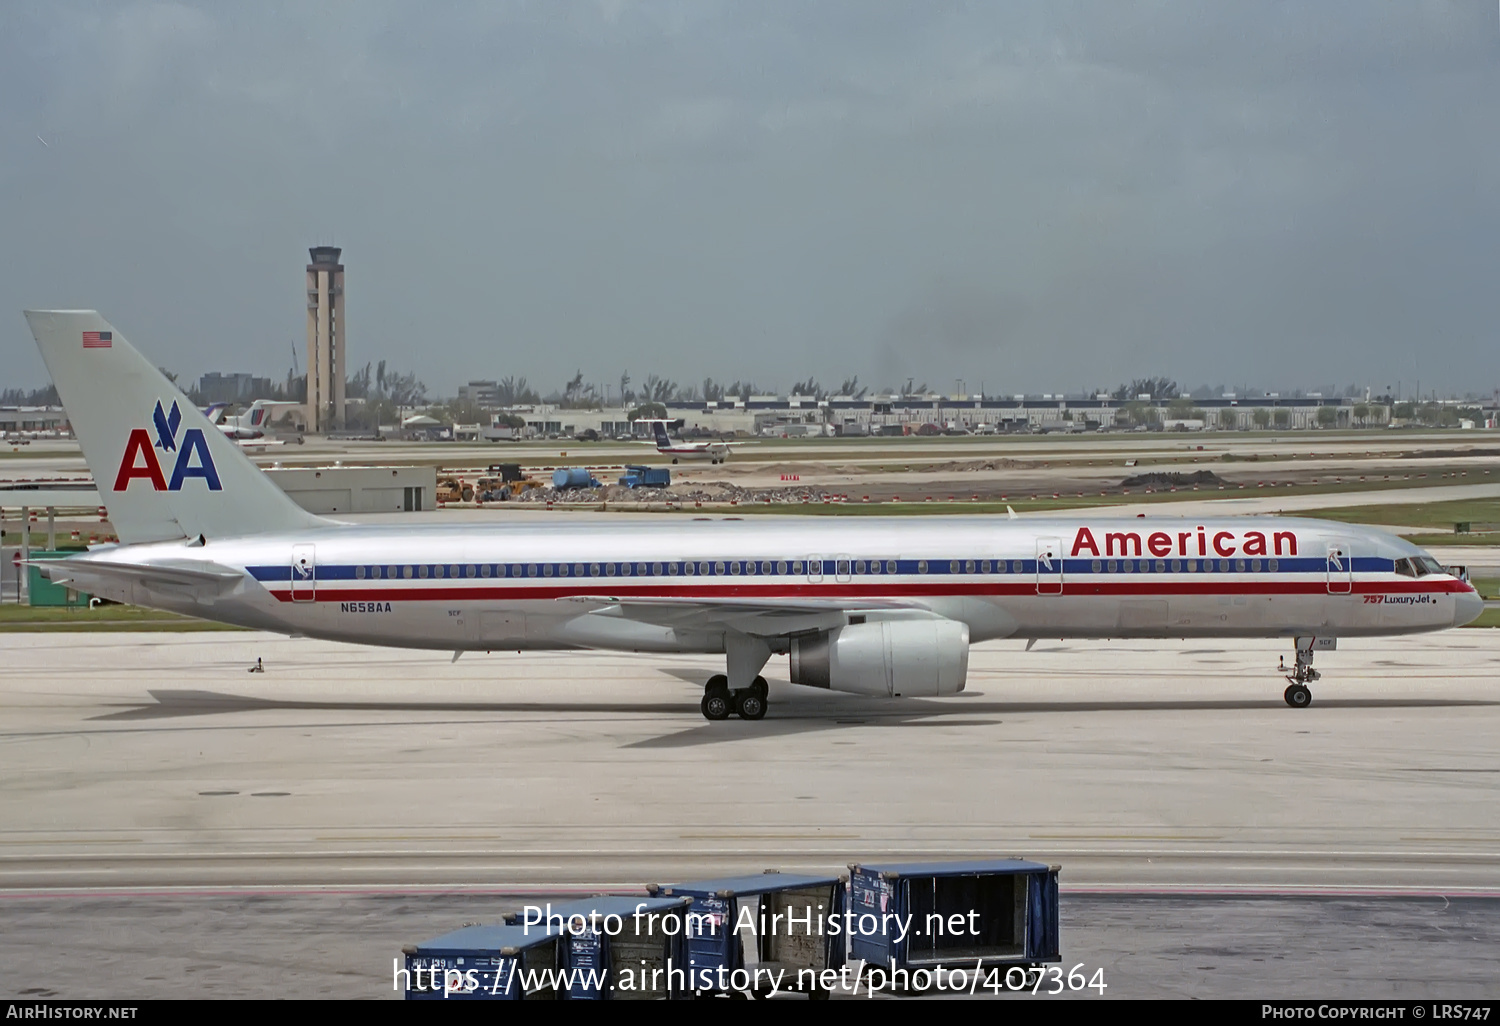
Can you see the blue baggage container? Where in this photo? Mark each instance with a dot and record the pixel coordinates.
(997, 913)
(605, 942)
(481, 963)
(800, 948)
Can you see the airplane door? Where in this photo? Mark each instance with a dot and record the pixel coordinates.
(1340, 568)
(814, 569)
(1049, 566)
(304, 573)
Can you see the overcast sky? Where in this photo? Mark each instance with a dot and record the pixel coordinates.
(1035, 196)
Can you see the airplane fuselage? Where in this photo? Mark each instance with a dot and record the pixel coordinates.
(540, 586)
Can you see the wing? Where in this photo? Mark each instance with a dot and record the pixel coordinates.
(757, 617)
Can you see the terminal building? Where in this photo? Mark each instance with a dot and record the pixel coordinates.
(796, 416)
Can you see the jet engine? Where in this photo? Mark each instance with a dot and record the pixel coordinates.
(888, 658)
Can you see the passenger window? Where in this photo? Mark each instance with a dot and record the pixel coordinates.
(422, 570)
(546, 569)
(797, 566)
(1272, 564)
(1255, 566)
(624, 569)
(656, 569)
(471, 570)
(921, 566)
(1239, 565)
(359, 573)
(859, 567)
(890, 566)
(484, 569)
(437, 571)
(406, 572)
(1094, 566)
(688, 568)
(984, 567)
(1177, 566)
(781, 566)
(609, 569)
(562, 569)
(1113, 566)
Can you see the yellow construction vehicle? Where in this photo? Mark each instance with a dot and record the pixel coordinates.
(451, 488)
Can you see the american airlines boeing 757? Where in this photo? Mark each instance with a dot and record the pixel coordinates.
(878, 606)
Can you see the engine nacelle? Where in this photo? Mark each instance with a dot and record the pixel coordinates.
(888, 658)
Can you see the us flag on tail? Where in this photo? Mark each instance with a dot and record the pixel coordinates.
(98, 339)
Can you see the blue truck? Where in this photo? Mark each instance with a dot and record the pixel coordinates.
(636, 476)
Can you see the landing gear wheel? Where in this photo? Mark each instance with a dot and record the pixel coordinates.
(715, 705)
(759, 686)
(1298, 696)
(749, 704)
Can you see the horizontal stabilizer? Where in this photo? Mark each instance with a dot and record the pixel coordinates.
(196, 580)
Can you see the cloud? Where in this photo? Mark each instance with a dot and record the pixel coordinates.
(1028, 193)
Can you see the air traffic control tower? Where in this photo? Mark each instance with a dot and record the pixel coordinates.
(325, 340)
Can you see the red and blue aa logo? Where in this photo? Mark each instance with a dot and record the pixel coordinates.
(192, 456)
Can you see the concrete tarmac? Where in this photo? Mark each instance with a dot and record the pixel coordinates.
(186, 828)
(156, 759)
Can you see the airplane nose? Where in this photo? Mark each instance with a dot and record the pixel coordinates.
(1466, 607)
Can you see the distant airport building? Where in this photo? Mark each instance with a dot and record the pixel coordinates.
(481, 393)
(215, 387)
(33, 420)
(326, 341)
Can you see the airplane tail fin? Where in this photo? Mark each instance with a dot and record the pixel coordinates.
(660, 430)
(163, 469)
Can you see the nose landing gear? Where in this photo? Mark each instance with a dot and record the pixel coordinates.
(1298, 695)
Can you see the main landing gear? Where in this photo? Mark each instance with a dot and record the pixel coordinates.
(1298, 695)
(746, 703)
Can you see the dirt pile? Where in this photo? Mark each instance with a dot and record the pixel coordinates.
(1161, 480)
(709, 491)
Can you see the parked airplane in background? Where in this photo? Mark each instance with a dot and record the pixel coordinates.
(247, 428)
(716, 452)
(878, 606)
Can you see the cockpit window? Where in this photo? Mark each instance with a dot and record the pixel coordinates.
(1404, 568)
(1431, 565)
